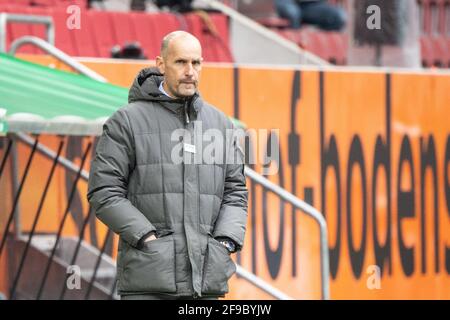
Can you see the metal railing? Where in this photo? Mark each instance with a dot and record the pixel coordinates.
(261, 284)
(37, 147)
(309, 210)
(46, 46)
(58, 54)
(83, 175)
(5, 18)
(251, 174)
(35, 222)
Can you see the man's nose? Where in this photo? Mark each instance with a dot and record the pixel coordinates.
(189, 71)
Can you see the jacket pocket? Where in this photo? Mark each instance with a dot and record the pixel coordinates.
(218, 268)
(150, 269)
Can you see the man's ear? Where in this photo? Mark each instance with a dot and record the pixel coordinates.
(160, 64)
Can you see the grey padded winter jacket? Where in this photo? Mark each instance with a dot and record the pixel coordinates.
(136, 187)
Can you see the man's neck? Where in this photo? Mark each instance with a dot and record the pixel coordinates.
(163, 89)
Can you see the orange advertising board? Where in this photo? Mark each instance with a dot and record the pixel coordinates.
(368, 149)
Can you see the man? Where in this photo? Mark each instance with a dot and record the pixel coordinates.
(315, 12)
(178, 221)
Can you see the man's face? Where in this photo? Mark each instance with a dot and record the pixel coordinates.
(181, 67)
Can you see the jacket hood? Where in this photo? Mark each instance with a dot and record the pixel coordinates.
(145, 87)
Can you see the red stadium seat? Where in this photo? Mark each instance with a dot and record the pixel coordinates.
(21, 29)
(18, 30)
(151, 28)
(321, 42)
(48, 3)
(425, 15)
(103, 32)
(447, 19)
(43, 3)
(198, 29)
(144, 27)
(215, 46)
(426, 51)
(122, 27)
(435, 51)
(65, 3)
(291, 34)
(338, 43)
(63, 35)
(441, 51)
(39, 30)
(16, 2)
(164, 23)
(315, 42)
(273, 22)
(433, 15)
(100, 30)
(221, 42)
(330, 46)
(444, 13)
(447, 39)
(195, 26)
(436, 16)
(83, 38)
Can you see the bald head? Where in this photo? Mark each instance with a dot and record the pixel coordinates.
(180, 63)
(176, 37)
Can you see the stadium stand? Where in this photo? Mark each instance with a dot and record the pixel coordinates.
(435, 32)
(332, 46)
(101, 30)
(47, 3)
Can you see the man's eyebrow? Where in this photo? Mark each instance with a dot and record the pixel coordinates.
(187, 59)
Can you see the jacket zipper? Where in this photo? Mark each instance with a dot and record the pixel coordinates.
(186, 113)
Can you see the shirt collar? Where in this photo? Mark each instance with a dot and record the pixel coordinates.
(161, 88)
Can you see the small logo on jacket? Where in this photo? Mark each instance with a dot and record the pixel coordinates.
(234, 146)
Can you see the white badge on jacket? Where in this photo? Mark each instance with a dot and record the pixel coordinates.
(189, 148)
